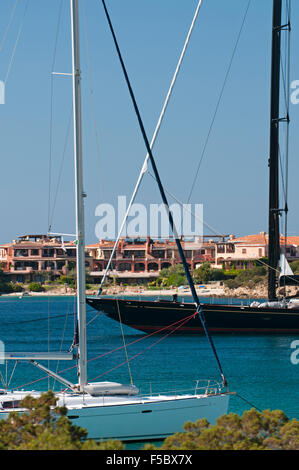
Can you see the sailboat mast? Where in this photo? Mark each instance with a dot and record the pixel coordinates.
(79, 194)
(274, 237)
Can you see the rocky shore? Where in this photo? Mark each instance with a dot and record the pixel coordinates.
(260, 291)
(209, 290)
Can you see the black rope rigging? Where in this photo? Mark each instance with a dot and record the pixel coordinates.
(248, 402)
(163, 195)
(285, 73)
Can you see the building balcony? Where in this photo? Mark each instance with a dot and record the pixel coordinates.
(204, 258)
(20, 270)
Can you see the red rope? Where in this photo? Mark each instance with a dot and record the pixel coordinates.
(179, 323)
(148, 347)
(147, 336)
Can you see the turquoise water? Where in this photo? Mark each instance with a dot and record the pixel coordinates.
(258, 368)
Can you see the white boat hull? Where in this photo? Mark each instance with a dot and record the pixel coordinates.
(154, 420)
(135, 419)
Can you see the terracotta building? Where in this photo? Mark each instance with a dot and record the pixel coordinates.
(42, 257)
(37, 258)
(242, 252)
(144, 258)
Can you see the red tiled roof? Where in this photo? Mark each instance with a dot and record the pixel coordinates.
(258, 239)
(290, 240)
(262, 239)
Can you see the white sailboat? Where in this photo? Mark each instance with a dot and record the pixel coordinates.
(108, 409)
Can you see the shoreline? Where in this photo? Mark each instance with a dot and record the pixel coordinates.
(202, 292)
(208, 290)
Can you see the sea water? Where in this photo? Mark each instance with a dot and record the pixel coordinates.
(257, 367)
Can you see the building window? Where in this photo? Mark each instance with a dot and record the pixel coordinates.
(124, 267)
(230, 248)
(244, 251)
(48, 253)
(21, 253)
(139, 267)
(153, 267)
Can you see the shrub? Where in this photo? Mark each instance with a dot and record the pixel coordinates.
(232, 283)
(36, 287)
(266, 430)
(69, 280)
(172, 276)
(46, 427)
(295, 267)
(16, 287)
(5, 287)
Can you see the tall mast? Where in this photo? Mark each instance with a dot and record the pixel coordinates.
(274, 237)
(79, 194)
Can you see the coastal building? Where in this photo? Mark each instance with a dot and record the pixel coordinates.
(41, 257)
(37, 258)
(243, 252)
(143, 259)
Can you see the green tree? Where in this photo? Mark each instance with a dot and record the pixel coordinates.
(71, 278)
(4, 287)
(46, 427)
(295, 267)
(205, 273)
(247, 278)
(172, 276)
(267, 430)
(8, 287)
(35, 287)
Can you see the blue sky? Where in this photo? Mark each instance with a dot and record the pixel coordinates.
(233, 180)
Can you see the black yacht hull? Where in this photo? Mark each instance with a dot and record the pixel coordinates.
(153, 316)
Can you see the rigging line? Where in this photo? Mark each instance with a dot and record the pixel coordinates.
(3, 380)
(248, 402)
(160, 120)
(61, 342)
(216, 233)
(219, 101)
(276, 270)
(16, 43)
(163, 196)
(91, 88)
(94, 318)
(145, 349)
(285, 72)
(60, 169)
(9, 24)
(110, 352)
(12, 373)
(284, 82)
(49, 322)
(288, 71)
(282, 176)
(39, 319)
(124, 342)
(143, 337)
(51, 113)
(186, 209)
